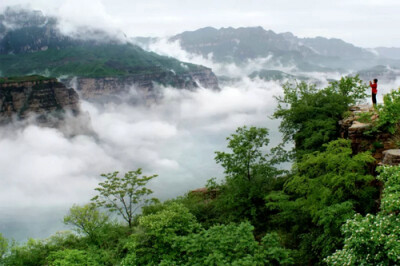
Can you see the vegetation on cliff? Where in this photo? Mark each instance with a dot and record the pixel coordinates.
(101, 60)
(19, 79)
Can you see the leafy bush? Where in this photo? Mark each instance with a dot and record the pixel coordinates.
(389, 112)
(154, 239)
(374, 239)
(87, 219)
(34, 252)
(325, 190)
(71, 257)
(229, 245)
(365, 117)
(172, 236)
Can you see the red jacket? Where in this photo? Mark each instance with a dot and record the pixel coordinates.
(374, 87)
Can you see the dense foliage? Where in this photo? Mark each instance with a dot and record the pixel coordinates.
(310, 115)
(250, 174)
(323, 192)
(389, 113)
(101, 60)
(374, 239)
(174, 237)
(327, 209)
(3, 246)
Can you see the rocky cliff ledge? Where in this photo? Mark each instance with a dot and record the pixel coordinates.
(106, 87)
(382, 145)
(44, 98)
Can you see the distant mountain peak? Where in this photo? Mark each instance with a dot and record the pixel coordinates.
(239, 45)
(31, 42)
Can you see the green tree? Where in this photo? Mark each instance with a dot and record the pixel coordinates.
(154, 238)
(87, 219)
(246, 157)
(172, 236)
(310, 115)
(326, 188)
(71, 257)
(34, 252)
(3, 246)
(389, 113)
(250, 174)
(374, 239)
(229, 245)
(124, 195)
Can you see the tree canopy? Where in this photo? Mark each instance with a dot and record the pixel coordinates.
(374, 239)
(124, 195)
(310, 115)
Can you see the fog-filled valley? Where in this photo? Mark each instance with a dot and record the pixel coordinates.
(174, 135)
(259, 137)
(44, 172)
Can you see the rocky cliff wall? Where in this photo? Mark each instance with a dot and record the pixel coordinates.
(109, 87)
(45, 99)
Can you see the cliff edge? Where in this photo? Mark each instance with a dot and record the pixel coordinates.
(45, 99)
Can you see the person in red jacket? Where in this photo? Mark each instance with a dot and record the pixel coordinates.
(374, 87)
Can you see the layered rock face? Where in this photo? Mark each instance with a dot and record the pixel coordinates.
(105, 88)
(46, 99)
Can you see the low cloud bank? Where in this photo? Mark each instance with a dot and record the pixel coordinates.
(44, 172)
(174, 49)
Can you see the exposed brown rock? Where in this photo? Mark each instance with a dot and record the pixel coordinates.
(110, 87)
(205, 193)
(361, 139)
(43, 98)
(382, 145)
(391, 157)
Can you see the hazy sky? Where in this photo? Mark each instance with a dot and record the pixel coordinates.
(367, 23)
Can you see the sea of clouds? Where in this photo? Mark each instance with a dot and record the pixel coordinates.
(44, 171)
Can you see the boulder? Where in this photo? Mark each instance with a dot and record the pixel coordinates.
(391, 157)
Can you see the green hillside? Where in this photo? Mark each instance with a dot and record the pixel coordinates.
(90, 61)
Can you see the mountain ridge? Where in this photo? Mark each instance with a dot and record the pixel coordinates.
(31, 43)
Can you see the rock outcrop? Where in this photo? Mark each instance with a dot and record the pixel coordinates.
(362, 140)
(105, 88)
(391, 157)
(46, 99)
